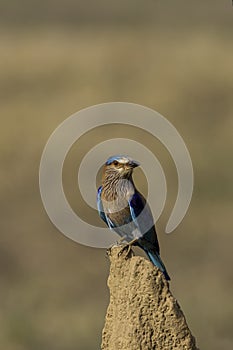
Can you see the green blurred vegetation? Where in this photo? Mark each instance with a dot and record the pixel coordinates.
(59, 57)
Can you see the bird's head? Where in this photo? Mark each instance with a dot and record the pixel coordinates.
(120, 166)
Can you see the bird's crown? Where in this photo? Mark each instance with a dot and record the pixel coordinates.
(121, 159)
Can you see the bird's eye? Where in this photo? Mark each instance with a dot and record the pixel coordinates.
(115, 162)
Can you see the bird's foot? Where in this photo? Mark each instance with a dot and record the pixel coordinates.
(119, 242)
(127, 247)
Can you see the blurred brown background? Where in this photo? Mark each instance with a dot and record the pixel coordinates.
(58, 57)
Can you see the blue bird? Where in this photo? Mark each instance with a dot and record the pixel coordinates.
(124, 209)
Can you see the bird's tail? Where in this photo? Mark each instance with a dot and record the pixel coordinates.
(157, 261)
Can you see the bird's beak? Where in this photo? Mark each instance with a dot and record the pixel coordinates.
(134, 164)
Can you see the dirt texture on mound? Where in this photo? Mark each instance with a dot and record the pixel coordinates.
(142, 313)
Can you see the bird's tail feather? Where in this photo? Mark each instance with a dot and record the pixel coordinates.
(157, 261)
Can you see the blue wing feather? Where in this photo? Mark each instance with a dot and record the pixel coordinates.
(148, 242)
(138, 204)
(100, 205)
(101, 210)
(145, 222)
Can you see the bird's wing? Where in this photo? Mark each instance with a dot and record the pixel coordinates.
(144, 222)
(138, 205)
(101, 209)
(100, 206)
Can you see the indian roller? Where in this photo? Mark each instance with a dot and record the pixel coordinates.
(124, 209)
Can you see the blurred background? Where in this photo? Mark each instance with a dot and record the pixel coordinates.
(58, 57)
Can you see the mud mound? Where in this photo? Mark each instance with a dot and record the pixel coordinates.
(142, 313)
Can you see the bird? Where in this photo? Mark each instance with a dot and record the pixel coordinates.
(125, 210)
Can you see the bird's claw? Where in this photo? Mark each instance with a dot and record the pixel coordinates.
(128, 249)
(127, 246)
